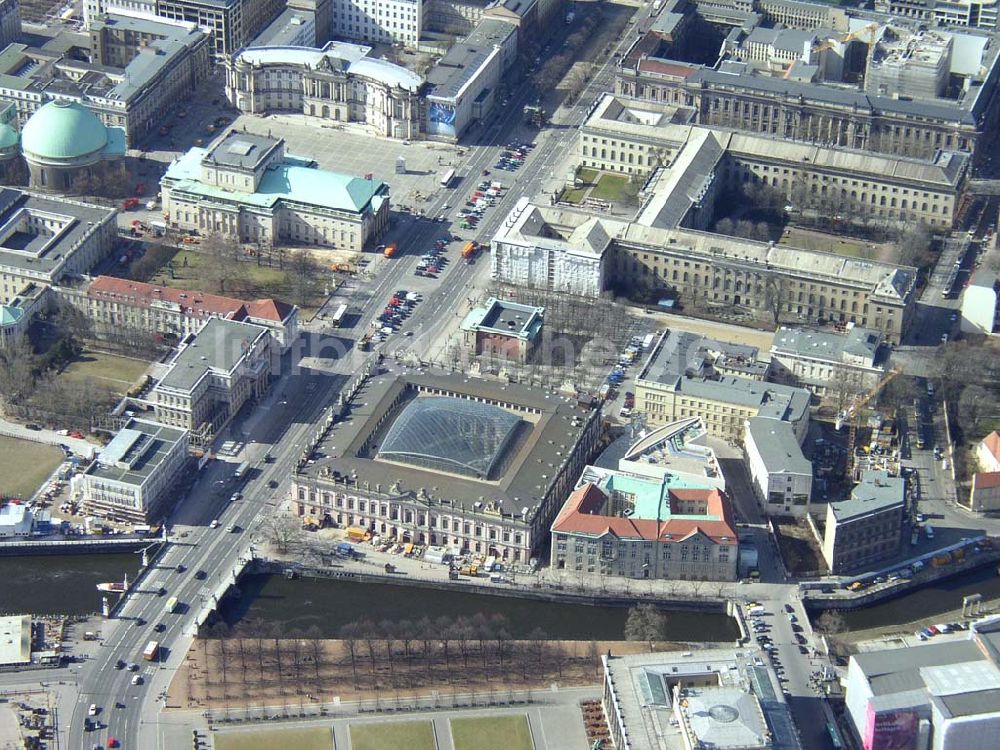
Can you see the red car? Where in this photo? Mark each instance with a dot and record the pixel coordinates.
(76, 434)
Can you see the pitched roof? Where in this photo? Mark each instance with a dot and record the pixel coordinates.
(192, 303)
(992, 443)
(582, 515)
(986, 480)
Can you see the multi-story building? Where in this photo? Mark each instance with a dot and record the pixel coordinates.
(569, 251)
(623, 525)
(504, 329)
(640, 138)
(232, 23)
(688, 375)
(212, 375)
(113, 304)
(550, 249)
(781, 475)
(13, 325)
(130, 71)
(248, 189)
(339, 83)
(985, 494)
(677, 448)
(44, 240)
(977, 14)
(462, 86)
(453, 16)
(828, 363)
(10, 22)
(798, 105)
(468, 464)
(130, 479)
(988, 452)
(378, 21)
(940, 695)
(981, 303)
(868, 527)
(726, 699)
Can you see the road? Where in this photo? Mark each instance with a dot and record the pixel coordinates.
(282, 425)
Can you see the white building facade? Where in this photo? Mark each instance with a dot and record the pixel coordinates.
(378, 21)
(781, 475)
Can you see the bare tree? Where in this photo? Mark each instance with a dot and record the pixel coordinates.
(283, 532)
(774, 296)
(645, 623)
(349, 635)
(831, 622)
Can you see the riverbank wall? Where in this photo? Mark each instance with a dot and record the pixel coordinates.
(533, 591)
(76, 546)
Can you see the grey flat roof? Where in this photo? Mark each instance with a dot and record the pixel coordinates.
(135, 452)
(778, 446)
(526, 475)
(889, 661)
(682, 353)
(972, 703)
(876, 491)
(805, 342)
(459, 66)
(771, 399)
(285, 28)
(241, 150)
(219, 345)
(22, 252)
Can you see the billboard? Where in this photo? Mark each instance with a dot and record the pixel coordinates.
(441, 119)
(891, 730)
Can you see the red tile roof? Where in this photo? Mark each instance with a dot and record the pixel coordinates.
(992, 443)
(193, 303)
(665, 68)
(986, 480)
(581, 515)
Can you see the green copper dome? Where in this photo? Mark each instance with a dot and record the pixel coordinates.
(63, 131)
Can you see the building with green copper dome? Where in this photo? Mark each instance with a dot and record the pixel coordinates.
(64, 140)
(13, 325)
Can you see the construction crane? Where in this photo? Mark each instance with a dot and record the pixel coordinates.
(852, 415)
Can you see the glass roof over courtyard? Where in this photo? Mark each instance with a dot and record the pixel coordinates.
(450, 434)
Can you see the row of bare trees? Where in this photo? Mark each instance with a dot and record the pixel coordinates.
(266, 660)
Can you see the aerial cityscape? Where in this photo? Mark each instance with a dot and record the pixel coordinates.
(499, 374)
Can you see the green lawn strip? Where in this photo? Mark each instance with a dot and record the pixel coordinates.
(492, 733)
(319, 738)
(390, 735)
(24, 465)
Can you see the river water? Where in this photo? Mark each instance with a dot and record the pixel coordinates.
(329, 604)
(66, 584)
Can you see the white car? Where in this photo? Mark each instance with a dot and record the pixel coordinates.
(92, 711)
(214, 524)
(137, 679)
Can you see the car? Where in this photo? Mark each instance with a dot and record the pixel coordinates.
(789, 608)
(33, 427)
(139, 622)
(120, 664)
(232, 528)
(133, 667)
(944, 338)
(137, 679)
(235, 496)
(272, 483)
(159, 627)
(92, 711)
(201, 575)
(214, 524)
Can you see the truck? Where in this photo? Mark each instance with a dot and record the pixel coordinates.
(390, 250)
(488, 566)
(356, 534)
(242, 469)
(941, 560)
(469, 251)
(151, 651)
(172, 605)
(347, 549)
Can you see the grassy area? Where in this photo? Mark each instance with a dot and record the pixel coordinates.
(492, 733)
(589, 176)
(268, 739)
(24, 465)
(574, 195)
(188, 274)
(610, 187)
(826, 243)
(412, 735)
(116, 372)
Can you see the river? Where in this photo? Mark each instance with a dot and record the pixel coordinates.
(60, 584)
(329, 604)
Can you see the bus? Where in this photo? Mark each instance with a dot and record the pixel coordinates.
(447, 178)
(151, 651)
(338, 317)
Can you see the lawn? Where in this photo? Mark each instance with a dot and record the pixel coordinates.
(610, 187)
(492, 733)
(391, 735)
(826, 243)
(188, 274)
(268, 739)
(589, 176)
(118, 373)
(24, 465)
(574, 195)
